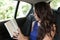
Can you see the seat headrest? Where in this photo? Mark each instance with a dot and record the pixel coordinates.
(58, 10)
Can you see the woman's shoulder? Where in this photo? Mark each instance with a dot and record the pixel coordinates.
(53, 31)
(47, 37)
(33, 22)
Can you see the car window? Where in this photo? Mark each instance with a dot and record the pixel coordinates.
(7, 9)
(55, 4)
(23, 9)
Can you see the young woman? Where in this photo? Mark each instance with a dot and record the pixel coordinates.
(44, 28)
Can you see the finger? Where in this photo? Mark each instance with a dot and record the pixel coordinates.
(15, 34)
(15, 38)
(18, 30)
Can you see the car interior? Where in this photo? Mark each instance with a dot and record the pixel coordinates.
(25, 22)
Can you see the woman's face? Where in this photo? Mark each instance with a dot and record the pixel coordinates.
(36, 17)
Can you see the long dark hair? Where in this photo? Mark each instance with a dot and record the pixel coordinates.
(45, 13)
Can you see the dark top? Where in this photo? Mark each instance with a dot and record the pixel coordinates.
(33, 34)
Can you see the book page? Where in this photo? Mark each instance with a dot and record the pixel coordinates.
(11, 26)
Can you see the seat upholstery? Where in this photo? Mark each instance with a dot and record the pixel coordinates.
(57, 37)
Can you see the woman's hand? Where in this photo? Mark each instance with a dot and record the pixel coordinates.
(19, 35)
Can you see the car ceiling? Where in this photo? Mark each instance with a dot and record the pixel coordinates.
(34, 1)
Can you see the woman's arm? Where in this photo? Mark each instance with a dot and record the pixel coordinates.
(20, 36)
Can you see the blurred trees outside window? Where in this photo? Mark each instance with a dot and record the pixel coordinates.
(7, 9)
(55, 4)
(24, 9)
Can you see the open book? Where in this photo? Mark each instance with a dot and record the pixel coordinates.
(11, 26)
